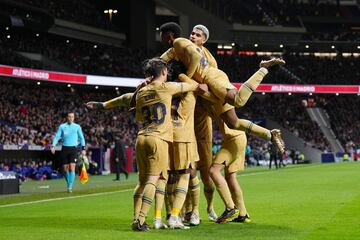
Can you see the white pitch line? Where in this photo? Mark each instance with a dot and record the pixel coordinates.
(64, 198)
(106, 193)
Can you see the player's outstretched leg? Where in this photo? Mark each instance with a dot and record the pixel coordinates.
(239, 98)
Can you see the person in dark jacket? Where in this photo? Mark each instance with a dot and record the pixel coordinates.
(119, 158)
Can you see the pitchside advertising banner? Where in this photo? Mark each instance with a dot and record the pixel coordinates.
(42, 75)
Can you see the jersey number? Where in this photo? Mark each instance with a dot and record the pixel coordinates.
(154, 113)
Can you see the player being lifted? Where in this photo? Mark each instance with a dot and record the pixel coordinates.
(232, 153)
(198, 69)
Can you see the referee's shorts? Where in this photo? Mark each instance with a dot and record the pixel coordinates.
(68, 155)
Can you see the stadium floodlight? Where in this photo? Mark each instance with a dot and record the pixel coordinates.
(256, 45)
(96, 87)
(263, 93)
(358, 47)
(157, 29)
(37, 34)
(310, 94)
(307, 46)
(38, 83)
(8, 36)
(95, 46)
(117, 88)
(289, 93)
(69, 85)
(281, 45)
(67, 40)
(7, 28)
(233, 44)
(332, 47)
(337, 94)
(110, 12)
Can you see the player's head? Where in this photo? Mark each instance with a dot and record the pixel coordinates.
(70, 116)
(169, 32)
(199, 35)
(155, 68)
(175, 68)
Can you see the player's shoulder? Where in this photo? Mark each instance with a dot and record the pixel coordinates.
(181, 41)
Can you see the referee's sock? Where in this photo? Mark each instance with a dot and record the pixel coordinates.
(67, 176)
(71, 179)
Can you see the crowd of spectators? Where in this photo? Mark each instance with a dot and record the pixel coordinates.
(27, 169)
(40, 110)
(303, 69)
(79, 56)
(289, 112)
(80, 11)
(344, 114)
(275, 12)
(99, 59)
(338, 34)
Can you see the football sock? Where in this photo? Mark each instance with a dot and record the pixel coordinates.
(137, 199)
(159, 197)
(147, 199)
(252, 129)
(195, 194)
(248, 87)
(180, 193)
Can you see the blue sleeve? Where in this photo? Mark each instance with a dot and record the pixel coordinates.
(57, 136)
(81, 136)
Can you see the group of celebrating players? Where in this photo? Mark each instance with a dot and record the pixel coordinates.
(183, 91)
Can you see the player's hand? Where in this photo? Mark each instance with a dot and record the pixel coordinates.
(94, 105)
(52, 149)
(202, 88)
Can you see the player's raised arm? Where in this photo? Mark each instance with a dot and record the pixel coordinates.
(121, 101)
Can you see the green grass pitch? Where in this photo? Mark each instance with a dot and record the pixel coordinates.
(319, 201)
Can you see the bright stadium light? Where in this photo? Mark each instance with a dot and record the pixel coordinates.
(95, 46)
(358, 47)
(289, 93)
(67, 41)
(69, 85)
(310, 94)
(281, 46)
(38, 83)
(263, 93)
(116, 88)
(110, 12)
(256, 45)
(307, 46)
(233, 44)
(37, 34)
(96, 87)
(332, 47)
(7, 28)
(8, 36)
(157, 29)
(337, 94)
